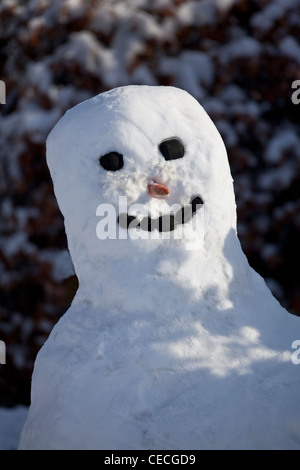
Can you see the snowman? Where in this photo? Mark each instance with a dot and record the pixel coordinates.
(172, 341)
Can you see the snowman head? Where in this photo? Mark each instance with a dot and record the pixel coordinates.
(141, 168)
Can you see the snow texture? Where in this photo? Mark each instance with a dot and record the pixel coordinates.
(12, 420)
(173, 342)
(238, 57)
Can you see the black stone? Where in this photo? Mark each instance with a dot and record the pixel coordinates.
(164, 223)
(148, 224)
(196, 202)
(184, 214)
(112, 161)
(124, 220)
(171, 149)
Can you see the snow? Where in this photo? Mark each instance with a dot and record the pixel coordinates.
(278, 177)
(199, 13)
(11, 422)
(60, 261)
(193, 71)
(290, 47)
(11, 245)
(243, 48)
(272, 13)
(58, 53)
(85, 48)
(172, 341)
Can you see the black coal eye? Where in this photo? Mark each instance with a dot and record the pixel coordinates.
(112, 161)
(172, 149)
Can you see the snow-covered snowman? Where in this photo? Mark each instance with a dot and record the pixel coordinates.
(172, 341)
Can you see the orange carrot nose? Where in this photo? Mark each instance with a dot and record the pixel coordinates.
(157, 190)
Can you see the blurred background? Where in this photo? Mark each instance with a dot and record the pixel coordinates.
(239, 58)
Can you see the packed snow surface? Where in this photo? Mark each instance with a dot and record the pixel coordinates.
(11, 422)
(172, 341)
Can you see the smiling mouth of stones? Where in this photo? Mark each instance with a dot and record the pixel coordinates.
(163, 223)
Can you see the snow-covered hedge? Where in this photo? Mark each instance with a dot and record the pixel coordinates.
(238, 58)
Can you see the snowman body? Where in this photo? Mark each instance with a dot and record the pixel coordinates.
(172, 341)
